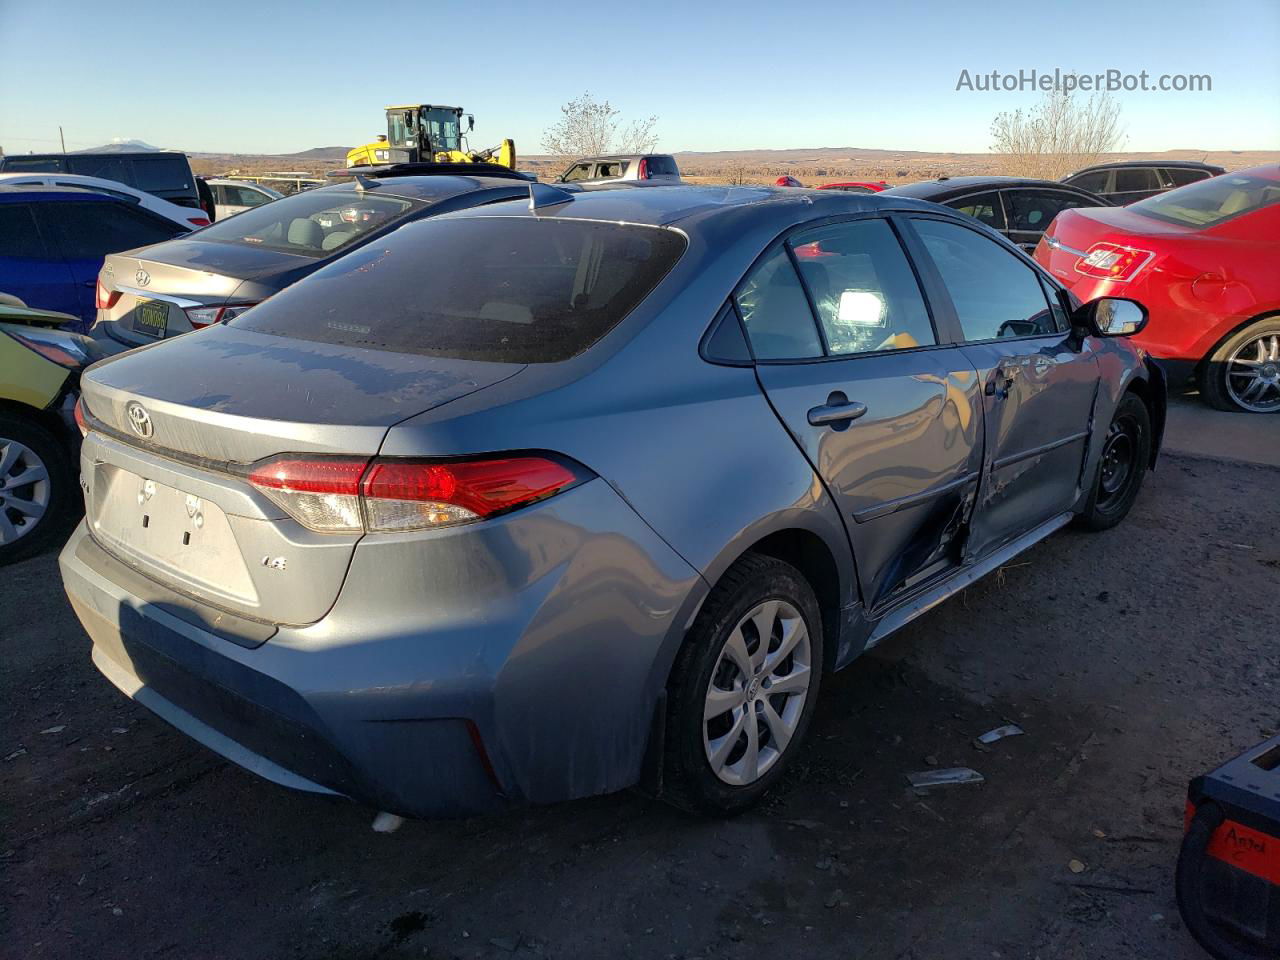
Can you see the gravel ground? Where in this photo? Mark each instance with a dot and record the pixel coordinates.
(1134, 659)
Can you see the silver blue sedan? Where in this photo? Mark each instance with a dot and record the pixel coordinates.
(557, 496)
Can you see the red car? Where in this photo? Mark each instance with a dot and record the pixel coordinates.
(1205, 260)
(857, 186)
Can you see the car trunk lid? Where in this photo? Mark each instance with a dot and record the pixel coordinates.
(176, 426)
(1073, 232)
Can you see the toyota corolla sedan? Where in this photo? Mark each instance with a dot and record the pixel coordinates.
(217, 273)
(549, 498)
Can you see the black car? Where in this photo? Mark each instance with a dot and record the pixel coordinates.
(163, 173)
(1132, 180)
(1019, 207)
(222, 270)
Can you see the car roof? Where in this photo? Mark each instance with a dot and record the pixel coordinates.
(673, 204)
(618, 156)
(90, 153)
(948, 186)
(429, 188)
(1184, 164)
(16, 193)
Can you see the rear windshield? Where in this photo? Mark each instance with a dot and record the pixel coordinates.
(503, 289)
(161, 173)
(1212, 201)
(310, 224)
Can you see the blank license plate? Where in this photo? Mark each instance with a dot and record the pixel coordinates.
(151, 317)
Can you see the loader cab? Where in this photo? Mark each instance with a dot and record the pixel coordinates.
(425, 130)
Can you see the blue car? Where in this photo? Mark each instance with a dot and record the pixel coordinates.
(53, 240)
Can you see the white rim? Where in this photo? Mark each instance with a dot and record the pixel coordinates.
(757, 693)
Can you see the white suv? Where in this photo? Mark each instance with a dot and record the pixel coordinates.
(654, 167)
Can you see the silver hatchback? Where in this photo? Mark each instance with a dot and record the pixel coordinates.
(548, 498)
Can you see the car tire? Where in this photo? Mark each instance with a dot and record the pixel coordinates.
(38, 494)
(718, 716)
(1122, 465)
(1248, 357)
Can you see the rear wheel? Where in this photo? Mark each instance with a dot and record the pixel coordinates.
(37, 489)
(1244, 373)
(1126, 452)
(743, 688)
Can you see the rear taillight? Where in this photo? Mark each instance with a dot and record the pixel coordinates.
(1111, 261)
(105, 299)
(643, 172)
(349, 495)
(78, 410)
(199, 221)
(207, 316)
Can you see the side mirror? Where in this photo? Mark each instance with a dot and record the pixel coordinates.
(471, 122)
(1111, 317)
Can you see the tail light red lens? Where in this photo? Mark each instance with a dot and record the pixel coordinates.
(643, 172)
(207, 316)
(1111, 261)
(78, 410)
(348, 495)
(199, 221)
(105, 299)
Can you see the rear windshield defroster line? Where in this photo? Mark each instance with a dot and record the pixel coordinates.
(498, 289)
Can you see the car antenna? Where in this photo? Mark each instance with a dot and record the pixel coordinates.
(544, 195)
(364, 183)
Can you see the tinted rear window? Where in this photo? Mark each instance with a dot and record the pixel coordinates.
(38, 164)
(504, 289)
(161, 173)
(310, 224)
(1211, 201)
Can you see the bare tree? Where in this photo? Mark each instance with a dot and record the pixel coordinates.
(588, 126)
(1057, 135)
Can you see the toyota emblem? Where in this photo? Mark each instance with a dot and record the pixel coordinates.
(142, 277)
(139, 419)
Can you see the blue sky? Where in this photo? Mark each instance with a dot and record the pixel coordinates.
(753, 74)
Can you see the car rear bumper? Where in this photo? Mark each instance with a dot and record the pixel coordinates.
(421, 710)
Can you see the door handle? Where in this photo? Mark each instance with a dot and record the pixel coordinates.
(837, 409)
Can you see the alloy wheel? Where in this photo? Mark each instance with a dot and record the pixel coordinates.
(757, 692)
(1253, 374)
(24, 490)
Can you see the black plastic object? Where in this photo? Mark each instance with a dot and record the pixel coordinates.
(1228, 878)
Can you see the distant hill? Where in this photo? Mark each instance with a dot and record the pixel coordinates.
(122, 146)
(320, 152)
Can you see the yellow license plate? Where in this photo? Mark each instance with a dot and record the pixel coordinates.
(151, 317)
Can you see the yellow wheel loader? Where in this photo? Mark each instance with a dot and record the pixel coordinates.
(423, 133)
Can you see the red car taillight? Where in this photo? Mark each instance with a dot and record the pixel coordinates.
(207, 316)
(105, 299)
(1111, 261)
(643, 172)
(199, 221)
(352, 495)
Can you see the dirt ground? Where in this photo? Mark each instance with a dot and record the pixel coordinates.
(1133, 659)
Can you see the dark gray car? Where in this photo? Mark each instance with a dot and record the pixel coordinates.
(546, 499)
(217, 273)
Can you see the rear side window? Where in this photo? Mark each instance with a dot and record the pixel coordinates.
(579, 171)
(995, 294)
(309, 224)
(863, 288)
(89, 231)
(611, 169)
(985, 207)
(776, 313)
(18, 235)
(502, 289)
